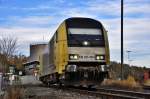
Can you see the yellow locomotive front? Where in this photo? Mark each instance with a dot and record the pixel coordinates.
(88, 52)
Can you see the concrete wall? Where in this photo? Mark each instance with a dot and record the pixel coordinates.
(39, 52)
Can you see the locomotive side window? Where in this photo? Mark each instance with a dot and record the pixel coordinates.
(56, 36)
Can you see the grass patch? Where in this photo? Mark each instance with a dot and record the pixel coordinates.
(128, 84)
(14, 92)
(147, 82)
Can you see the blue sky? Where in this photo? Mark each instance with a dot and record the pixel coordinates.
(32, 20)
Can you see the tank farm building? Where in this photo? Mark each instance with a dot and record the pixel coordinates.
(38, 58)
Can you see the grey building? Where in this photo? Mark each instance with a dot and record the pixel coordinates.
(38, 58)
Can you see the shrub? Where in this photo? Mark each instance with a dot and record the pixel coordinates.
(129, 84)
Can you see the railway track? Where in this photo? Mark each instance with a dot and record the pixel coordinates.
(115, 94)
(140, 95)
(146, 87)
(106, 93)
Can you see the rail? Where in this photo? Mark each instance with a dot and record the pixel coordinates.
(143, 95)
(106, 93)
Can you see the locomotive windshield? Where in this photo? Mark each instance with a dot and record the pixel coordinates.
(83, 37)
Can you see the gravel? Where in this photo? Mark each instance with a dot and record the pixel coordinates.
(52, 93)
(30, 80)
(33, 90)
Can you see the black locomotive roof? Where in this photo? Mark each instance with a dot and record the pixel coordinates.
(80, 22)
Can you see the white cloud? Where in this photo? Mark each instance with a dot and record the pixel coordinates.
(26, 36)
(77, 13)
(141, 61)
(105, 8)
(137, 9)
(30, 21)
(28, 33)
(36, 20)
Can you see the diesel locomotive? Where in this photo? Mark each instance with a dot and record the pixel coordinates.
(78, 53)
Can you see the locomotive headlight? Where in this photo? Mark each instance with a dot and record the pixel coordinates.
(85, 43)
(97, 57)
(73, 56)
(100, 57)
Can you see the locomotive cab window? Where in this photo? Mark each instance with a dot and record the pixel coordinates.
(85, 37)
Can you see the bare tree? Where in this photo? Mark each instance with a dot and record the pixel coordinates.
(8, 46)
